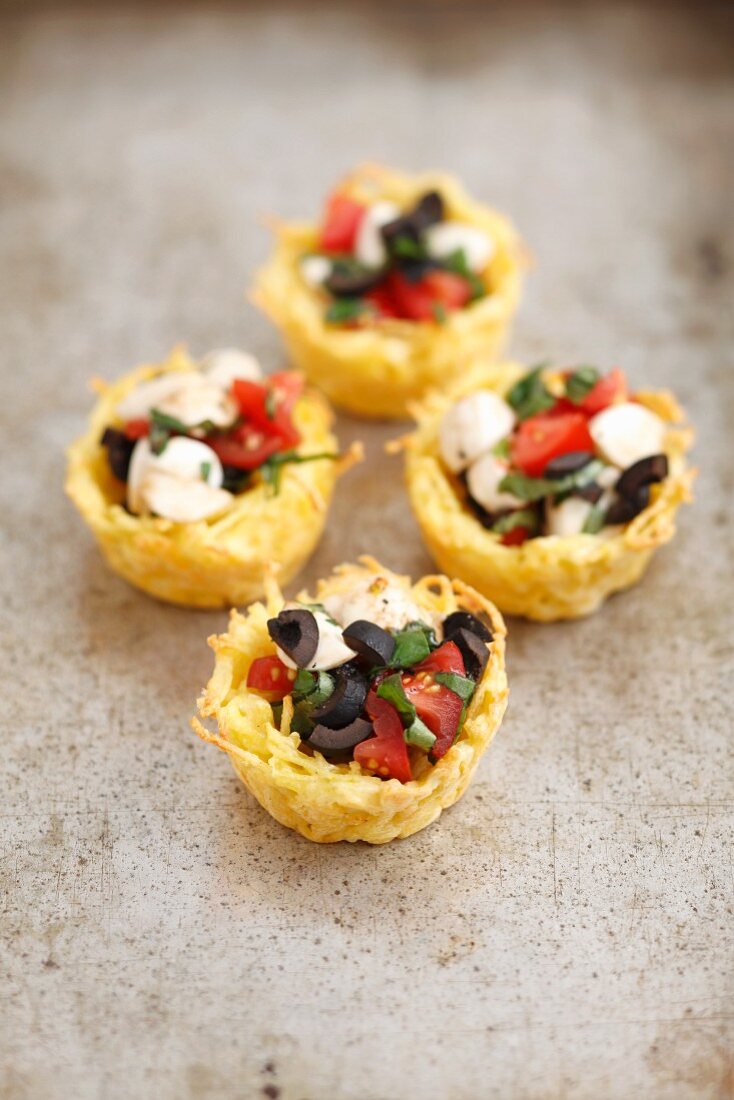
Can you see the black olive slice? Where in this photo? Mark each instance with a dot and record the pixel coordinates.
(641, 473)
(374, 645)
(296, 632)
(428, 210)
(119, 451)
(463, 620)
(344, 703)
(346, 284)
(623, 509)
(473, 650)
(567, 464)
(341, 741)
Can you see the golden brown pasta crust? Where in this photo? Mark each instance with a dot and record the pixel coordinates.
(377, 371)
(217, 562)
(327, 802)
(546, 578)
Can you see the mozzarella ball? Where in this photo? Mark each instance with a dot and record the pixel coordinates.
(379, 601)
(566, 518)
(148, 395)
(182, 501)
(472, 427)
(200, 400)
(627, 432)
(224, 366)
(483, 481)
(185, 461)
(444, 238)
(369, 247)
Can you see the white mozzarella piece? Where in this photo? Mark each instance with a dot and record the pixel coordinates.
(483, 481)
(315, 270)
(189, 459)
(179, 500)
(379, 601)
(331, 651)
(444, 238)
(140, 460)
(568, 517)
(147, 395)
(199, 400)
(369, 246)
(224, 365)
(189, 396)
(159, 483)
(627, 432)
(472, 427)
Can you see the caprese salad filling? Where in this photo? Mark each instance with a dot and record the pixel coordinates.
(384, 689)
(376, 261)
(186, 443)
(563, 453)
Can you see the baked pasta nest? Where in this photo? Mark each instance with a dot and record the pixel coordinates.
(327, 801)
(547, 578)
(219, 561)
(376, 371)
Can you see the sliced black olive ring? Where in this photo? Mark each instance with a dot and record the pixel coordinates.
(296, 632)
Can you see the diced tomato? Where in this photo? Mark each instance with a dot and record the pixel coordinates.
(245, 447)
(268, 406)
(609, 389)
(516, 537)
(452, 290)
(437, 706)
(447, 658)
(341, 222)
(383, 302)
(138, 428)
(541, 438)
(386, 753)
(418, 301)
(271, 678)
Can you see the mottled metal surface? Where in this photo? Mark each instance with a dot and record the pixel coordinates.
(566, 931)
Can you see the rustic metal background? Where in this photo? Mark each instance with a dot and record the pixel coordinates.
(566, 931)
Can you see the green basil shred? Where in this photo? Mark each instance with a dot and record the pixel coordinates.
(529, 395)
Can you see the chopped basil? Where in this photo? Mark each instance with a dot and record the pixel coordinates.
(412, 645)
(393, 691)
(304, 682)
(594, 521)
(535, 488)
(460, 685)
(343, 310)
(530, 396)
(277, 713)
(271, 468)
(438, 309)
(270, 404)
(502, 449)
(456, 261)
(581, 382)
(415, 732)
(525, 517)
(406, 247)
(419, 734)
(206, 469)
(163, 426)
(302, 723)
